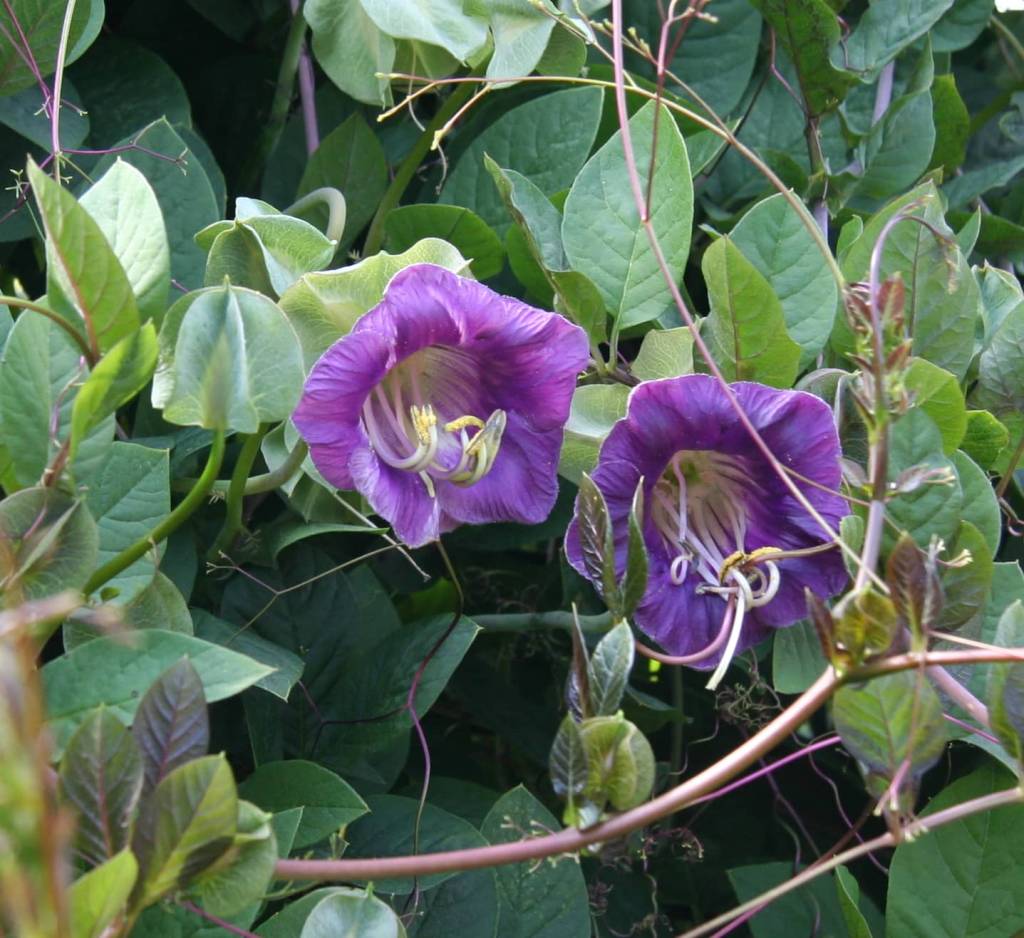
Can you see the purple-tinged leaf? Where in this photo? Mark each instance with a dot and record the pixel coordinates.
(171, 725)
(914, 586)
(101, 778)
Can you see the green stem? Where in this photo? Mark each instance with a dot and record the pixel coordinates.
(279, 106)
(408, 167)
(169, 525)
(335, 204)
(236, 494)
(256, 485)
(540, 621)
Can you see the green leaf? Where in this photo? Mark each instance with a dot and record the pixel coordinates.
(567, 762)
(98, 897)
(664, 353)
(187, 199)
(593, 412)
(808, 29)
(980, 507)
(897, 149)
(465, 904)
(1001, 294)
(952, 125)
(775, 239)
(717, 57)
(814, 908)
(118, 377)
(539, 233)
(287, 667)
(230, 360)
(746, 330)
(51, 544)
(961, 24)
(890, 721)
(1006, 684)
(1000, 386)
(973, 183)
(549, 901)
(962, 879)
(117, 670)
(967, 587)
(885, 29)
(848, 891)
(125, 207)
(602, 233)
(609, 668)
(323, 307)
(351, 160)
(361, 915)
(933, 508)
(189, 822)
(101, 779)
(409, 224)
(39, 371)
(437, 22)
(985, 438)
(797, 658)
(129, 496)
(237, 255)
(389, 831)
(228, 890)
(521, 32)
(351, 49)
(171, 726)
(328, 803)
(86, 283)
(288, 247)
(547, 139)
(43, 23)
(938, 394)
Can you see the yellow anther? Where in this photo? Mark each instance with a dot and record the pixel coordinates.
(462, 422)
(739, 559)
(423, 420)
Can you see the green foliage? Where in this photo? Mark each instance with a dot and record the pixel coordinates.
(159, 317)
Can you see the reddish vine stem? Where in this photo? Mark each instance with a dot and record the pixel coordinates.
(699, 786)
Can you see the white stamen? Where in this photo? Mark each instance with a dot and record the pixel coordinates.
(742, 596)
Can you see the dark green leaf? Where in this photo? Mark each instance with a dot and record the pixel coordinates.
(287, 666)
(328, 803)
(1006, 684)
(409, 224)
(808, 29)
(351, 160)
(388, 830)
(962, 880)
(546, 139)
(885, 29)
(549, 901)
(797, 658)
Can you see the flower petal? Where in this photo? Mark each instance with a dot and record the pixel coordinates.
(400, 497)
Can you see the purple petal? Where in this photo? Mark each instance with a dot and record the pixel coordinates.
(400, 497)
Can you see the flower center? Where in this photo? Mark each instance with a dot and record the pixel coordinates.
(698, 509)
(410, 432)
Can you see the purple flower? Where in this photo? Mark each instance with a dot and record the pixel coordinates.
(727, 541)
(445, 405)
